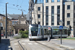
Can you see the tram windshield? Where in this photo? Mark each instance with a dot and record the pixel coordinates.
(34, 31)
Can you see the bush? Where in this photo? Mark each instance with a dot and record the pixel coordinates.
(24, 34)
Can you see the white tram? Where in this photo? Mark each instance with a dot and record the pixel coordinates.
(38, 32)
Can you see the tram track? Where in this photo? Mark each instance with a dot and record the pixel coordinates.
(51, 48)
(23, 47)
(45, 46)
(18, 44)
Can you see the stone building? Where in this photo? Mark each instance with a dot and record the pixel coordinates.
(3, 24)
(19, 22)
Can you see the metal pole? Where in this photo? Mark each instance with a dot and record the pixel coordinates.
(0, 34)
(43, 10)
(61, 36)
(6, 22)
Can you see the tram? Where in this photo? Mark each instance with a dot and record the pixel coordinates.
(38, 32)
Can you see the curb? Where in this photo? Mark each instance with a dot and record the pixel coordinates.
(64, 46)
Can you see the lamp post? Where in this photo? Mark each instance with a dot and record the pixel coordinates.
(0, 32)
(6, 21)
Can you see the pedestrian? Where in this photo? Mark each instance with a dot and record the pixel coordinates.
(48, 38)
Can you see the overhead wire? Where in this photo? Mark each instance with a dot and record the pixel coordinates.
(13, 5)
(22, 3)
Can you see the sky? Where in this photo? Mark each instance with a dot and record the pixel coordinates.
(14, 6)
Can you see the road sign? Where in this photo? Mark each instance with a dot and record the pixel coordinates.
(60, 27)
(49, 28)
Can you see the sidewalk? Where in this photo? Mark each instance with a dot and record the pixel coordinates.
(5, 44)
(70, 44)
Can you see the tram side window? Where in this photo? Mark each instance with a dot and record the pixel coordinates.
(46, 32)
(56, 32)
(65, 31)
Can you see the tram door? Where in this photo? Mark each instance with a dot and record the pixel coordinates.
(42, 33)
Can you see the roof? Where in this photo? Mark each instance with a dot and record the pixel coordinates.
(2, 15)
(16, 16)
(13, 16)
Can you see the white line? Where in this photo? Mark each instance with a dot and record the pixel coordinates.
(35, 43)
(43, 43)
(23, 43)
(30, 43)
(16, 44)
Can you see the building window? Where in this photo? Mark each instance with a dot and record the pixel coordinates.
(58, 19)
(1, 24)
(74, 7)
(68, 6)
(52, 23)
(74, 23)
(68, 14)
(46, 1)
(58, 9)
(52, 9)
(38, 15)
(46, 23)
(38, 22)
(68, 22)
(1, 17)
(74, 15)
(52, 0)
(38, 8)
(47, 15)
(58, 0)
(46, 9)
(52, 15)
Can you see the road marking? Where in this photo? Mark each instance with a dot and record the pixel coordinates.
(15, 43)
(30, 43)
(23, 43)
(43, 43)
(35, 43)
(43, 49)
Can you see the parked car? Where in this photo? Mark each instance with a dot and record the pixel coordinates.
(2, 34)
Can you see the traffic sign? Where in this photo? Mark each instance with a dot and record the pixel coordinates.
(60, 27)
(49, 28)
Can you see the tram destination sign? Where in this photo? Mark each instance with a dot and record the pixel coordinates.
(49, 28)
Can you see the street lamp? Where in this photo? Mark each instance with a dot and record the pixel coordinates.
(6, 21)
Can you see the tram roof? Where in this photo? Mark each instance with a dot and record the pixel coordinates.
(55, 27)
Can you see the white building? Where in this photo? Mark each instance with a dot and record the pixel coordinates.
(50, 12)
(70, 16)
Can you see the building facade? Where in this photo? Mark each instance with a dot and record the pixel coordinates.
(3, 24)
(19, 22)
(53, 12)
(50, 12)
(70, 16)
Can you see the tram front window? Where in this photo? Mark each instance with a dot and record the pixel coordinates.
(34, 31)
